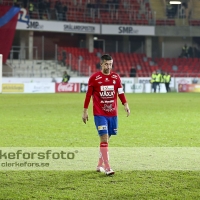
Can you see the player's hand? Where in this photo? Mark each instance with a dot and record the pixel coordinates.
(127, 109)
(85, 117)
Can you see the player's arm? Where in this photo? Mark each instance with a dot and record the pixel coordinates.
(127, 109)
(122, 98)
(86, 104)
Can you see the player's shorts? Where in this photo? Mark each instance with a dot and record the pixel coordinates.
(106, 125)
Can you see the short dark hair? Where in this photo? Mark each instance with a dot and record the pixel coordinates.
(106, 57)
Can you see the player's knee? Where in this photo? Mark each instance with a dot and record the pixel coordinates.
(104, 138)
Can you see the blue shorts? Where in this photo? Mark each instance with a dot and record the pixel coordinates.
(106, 125)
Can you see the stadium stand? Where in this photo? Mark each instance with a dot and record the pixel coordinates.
(124, 61)
(124, 12)
(79, 61)
(195, 18)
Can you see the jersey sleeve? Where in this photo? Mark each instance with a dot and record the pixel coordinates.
(88, 93)
(120, 91)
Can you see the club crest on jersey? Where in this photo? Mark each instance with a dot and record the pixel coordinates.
(114, 82)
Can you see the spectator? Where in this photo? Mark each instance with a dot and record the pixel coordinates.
(195, 52)
(182, 11)
(47, 5)
(91, 8)
(190, 52)
(162, 78)
(133, 72)
(64, 57)
(155, 80)
(41, 8)
(56, 5)
(59, 11)
(31, 9)
(184, 52)
(167, 79)
(64, 12)
(66, 77)
(110, 4)
(116, 2)
(16, 3)
(25, 3)
(171, 10)
(168, 9)
(98, 66)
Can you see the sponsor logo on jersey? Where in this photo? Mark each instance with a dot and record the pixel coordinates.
(107, 87)
(108, 108)
(114, 76)
(98, 77)
(111, 101)
(107, 94)
(100, 128)
(102, 101)
(120, 91)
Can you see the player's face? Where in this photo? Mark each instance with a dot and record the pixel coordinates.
(106, 66)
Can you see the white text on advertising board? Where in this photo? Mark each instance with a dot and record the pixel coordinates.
(69, 27)
(67, 87)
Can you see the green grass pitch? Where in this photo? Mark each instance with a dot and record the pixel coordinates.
(55, 120)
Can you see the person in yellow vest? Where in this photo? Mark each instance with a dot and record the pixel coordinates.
(158, 80)
(31, 8)
(153, 81)
(167, 78)
(185, 51)
(162, 79)
(66, 77)
(16, 3)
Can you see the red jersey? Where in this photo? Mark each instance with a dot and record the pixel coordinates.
(104, 90)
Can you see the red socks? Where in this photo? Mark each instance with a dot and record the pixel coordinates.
(104, 157)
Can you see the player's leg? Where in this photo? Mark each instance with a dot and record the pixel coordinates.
(104, 160)
(112, 130)
(102, 128)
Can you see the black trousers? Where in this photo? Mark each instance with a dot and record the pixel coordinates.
(167, 87)
(155, 86)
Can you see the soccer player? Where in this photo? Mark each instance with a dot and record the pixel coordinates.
(104, 87)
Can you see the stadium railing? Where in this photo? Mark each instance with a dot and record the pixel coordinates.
(132, 12)
(79, 62)
(137, 12)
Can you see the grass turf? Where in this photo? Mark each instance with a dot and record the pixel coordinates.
(54, 120)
